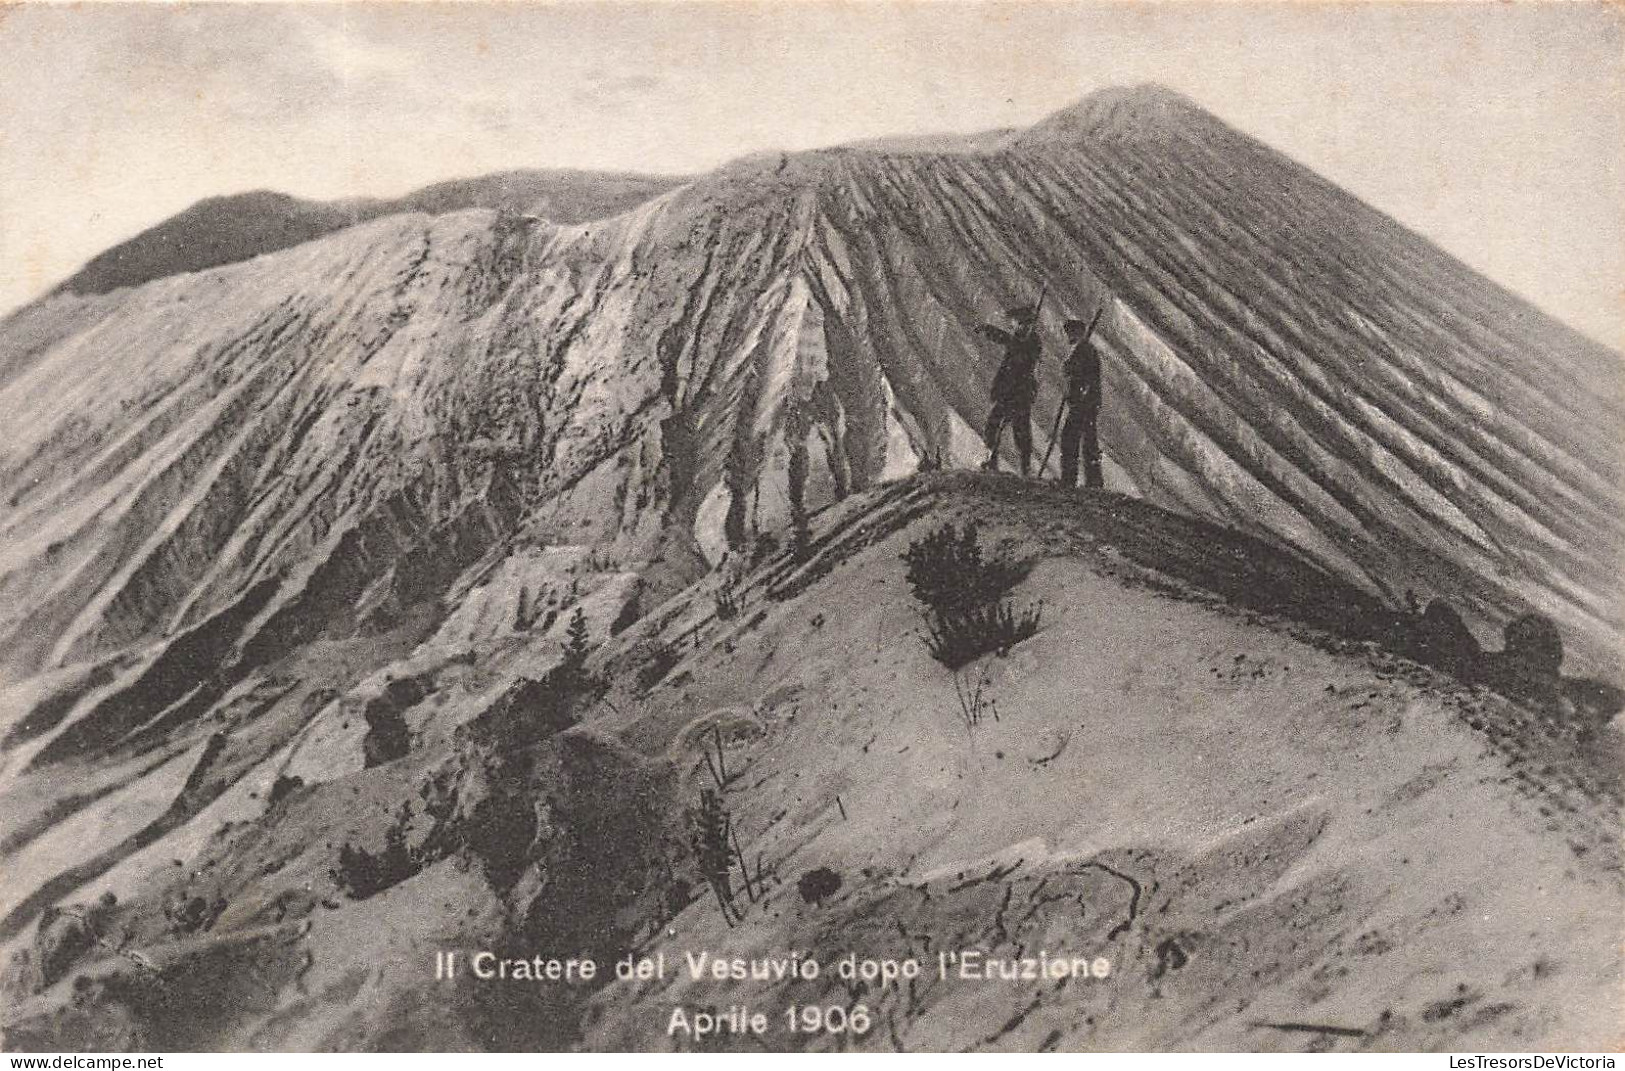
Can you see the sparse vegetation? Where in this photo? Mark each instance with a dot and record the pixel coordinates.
(964, 591)
(577, 642)
(950, 573)
(719, 765)
(361, 874)
(713, 828)
(975, 700)
(571, 675)
(956, 640)
(283, 787)
(818, 885)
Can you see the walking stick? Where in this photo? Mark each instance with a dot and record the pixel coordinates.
(1054, 431)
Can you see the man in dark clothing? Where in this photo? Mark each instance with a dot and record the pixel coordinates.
(1015, 385)
(1082, 370)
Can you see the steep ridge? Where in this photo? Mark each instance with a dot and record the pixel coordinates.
(1279, 358)
(225, 230)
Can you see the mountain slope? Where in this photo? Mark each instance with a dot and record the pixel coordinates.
(305, 514)
(1258, 826)
(1279, 839)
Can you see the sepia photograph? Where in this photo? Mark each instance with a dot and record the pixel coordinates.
(880, 526)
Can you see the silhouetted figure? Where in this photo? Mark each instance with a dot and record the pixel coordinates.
(1081, 431)
(1015, 385)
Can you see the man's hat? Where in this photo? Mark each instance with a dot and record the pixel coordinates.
(1022, 312)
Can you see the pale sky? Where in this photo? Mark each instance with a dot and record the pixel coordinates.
(1497, 129)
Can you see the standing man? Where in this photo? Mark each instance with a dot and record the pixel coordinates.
(1082, 370)
(1015, 385)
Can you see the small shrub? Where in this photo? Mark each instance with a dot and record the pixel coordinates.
(577, 641)
(527, 611)
(709, 840)
(949, 572)
(963, 590)
(571, 674)
(959, 638)
(678, 894)
(361, 874)
(975, 701)
(630, 612)
(818, 885)
(285, 786)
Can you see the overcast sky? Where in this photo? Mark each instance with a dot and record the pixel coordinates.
(1496, 129)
